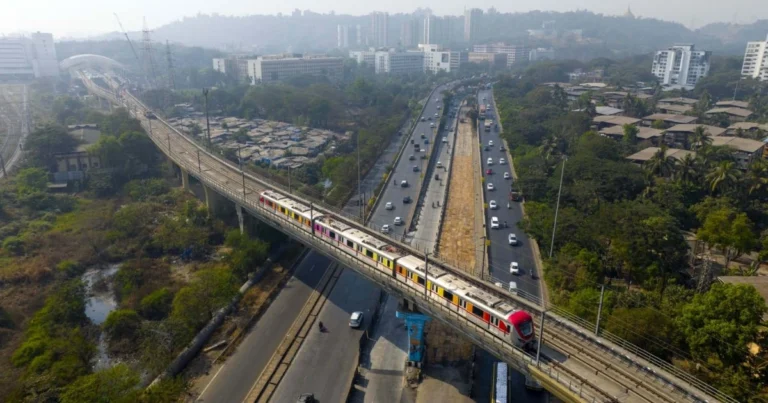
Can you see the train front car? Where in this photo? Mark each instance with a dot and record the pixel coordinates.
(523, 336)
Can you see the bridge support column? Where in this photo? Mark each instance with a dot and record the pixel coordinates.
(185, 179)
(240, 219)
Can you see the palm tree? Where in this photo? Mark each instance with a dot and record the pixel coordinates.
(724, 176)
(660, 164)
(550, 147)
(687, 169)
(757, 177)
(630, 133)
(699, 138)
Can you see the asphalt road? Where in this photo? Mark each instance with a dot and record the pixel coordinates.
(500, 252)
(233, 380)
(326, 361)
(404, 171)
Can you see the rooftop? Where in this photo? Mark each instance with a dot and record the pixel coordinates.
(671, 118)
(607, 110)
(675, 108)
(679, 101)
(748, 126)
(738, 143)
(648, 153)
(644, 133)
(615, 120)
(737, 104)
(688, 128)
(733, 111)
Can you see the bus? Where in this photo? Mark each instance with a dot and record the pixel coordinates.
(488, 124)
(500, 383)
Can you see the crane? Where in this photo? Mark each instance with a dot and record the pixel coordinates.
(126, 37)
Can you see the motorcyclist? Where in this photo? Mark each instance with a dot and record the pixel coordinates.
(505, 224)
(320, 325)
(507, 204)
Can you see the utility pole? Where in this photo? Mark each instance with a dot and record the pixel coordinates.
(290, 180)
(2, 161)
(243, 173)
(169, 60)
(359, 186)
(599, 310)
(557, 209)
(207, 120)
(541, 336)
(199, 168)
(426, 274)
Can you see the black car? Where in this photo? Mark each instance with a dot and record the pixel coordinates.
(306, 398)
(406, 199)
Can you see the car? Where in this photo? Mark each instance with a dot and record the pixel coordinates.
(432, 124)
(423, 119)
(398, 221)
(407, 200)
(415, 168)
(385, 229)
(411, 157)
(502, 161)
(423, 135)
(356, 319)
(439, 106)
(514, 268)
(439, 164)
(436, 115)
(429, 117)
(506, 175)
(490, 143)
(494, 222)
(389, 206)
(513, 287)
(487, 148)
(306, 398)
(512, 239)
(489, 171)
(501, 148)
(404, 183)
(499, 284)
(490, 161)
(492, 205)
(426, 141)
(490, 186)
(445, 139)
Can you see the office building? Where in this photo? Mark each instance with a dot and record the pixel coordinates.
(234, 67)
(399, 62)
(497, 60)
(681, 66)
(379, 29)
(437, 30)
(409, 33)
(27, 57)
(364, 56)
(269, 69)
(472, 24)
(436, 59)
(541, 54)
(346, 36)
(515, 53)
(756, 60)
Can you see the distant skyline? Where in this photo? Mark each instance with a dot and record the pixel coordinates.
(82, 18)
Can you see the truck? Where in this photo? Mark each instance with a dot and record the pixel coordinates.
(481, 115)
(488, 124)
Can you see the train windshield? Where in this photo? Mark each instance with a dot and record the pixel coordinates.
(526, 328)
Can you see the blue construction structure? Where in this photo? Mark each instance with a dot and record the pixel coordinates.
(414, 323)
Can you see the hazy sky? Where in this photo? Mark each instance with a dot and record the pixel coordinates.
(86, 17)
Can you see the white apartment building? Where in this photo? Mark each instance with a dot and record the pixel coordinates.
(269, 69)
(27, 57)
(399, 62)
(437, 30)
(346, 36)
(436, 59)
(472, 24)
(515, 53)
(541, 54)
(364, 56)
(681, 65)
(235, 67)
(379, 29)
(756, 60)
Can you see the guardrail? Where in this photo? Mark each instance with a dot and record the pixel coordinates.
(452, 153)
(427, 300)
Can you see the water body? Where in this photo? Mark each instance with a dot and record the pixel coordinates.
(98, 305)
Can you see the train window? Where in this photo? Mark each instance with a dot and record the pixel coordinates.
(477, 311)
(434, 287)
(332, 234)
(369, 253)
(350, 244)
(494, 321)
(463, 303)
(448, 295)
(420, 280)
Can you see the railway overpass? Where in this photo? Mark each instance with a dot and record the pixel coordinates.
(575, 365)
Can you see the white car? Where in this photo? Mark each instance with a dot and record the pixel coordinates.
(512, 239)
(506, 175)
(490, 142)
(385, 228)
(490, 161)
(398, 221)
(404, 184)
(356, 320)
(499, 284)
(494, 222)
(513, 287)
(490, 186)
(439, 164)
(514, 268)
(445, 139)
(389, 206)
(432, 124)
(502, 161)
(492, 205)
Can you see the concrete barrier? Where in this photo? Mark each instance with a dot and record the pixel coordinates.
(448, 181)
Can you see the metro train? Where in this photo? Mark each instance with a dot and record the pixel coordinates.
(473, 303)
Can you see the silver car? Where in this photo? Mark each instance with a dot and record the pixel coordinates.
(356, 320)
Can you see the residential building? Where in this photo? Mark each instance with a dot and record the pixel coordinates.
(437, 30)
(346, 36)
(668, 119)
(609, 111)
(613, 120)
(472, 24)
(744, 150)
(379, 29)
(642, 156)
(458, 59)
(541, 54)
(756, 60)
(399, 62)
(27, 57)
(677, 135)
(498, 60)
(409, 33)
(735, 104)
(515, 53)
(234, 67)
(746, 127)
(267, 69)
(679, 101)
(364, 56)
(74, 165)
(734, 114)
(681, 66)
(436, 59)
(673, 109)
(643, 133)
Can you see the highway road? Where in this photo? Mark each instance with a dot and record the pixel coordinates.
(14, 110)
(404, 171)
(231, 381)
(326, 361)
(500, 252)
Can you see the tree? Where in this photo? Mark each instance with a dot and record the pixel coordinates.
(156, 305)
(641, 325)
(117, 384)
(728, 231)
(699, 138)
(31, 180)
(46, 141)
(721, 322)
(723, 177)
(658, 124)
(756, 177)
(122, 324)
(246, 255)
(195, 304)
(660, 164)
(687, 169)
(630, 133)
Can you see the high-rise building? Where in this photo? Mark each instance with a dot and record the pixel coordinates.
(379, 29)
(437, 30)
(32, 56)
(267, 69)
(346, 36)
(681, 65)
(409, 33)
(234, 66)
(472, 24)
(437, 59)
(399, 62)
(756, 60)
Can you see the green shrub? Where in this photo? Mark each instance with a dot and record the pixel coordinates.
(113, 385)
(122, 324)
(70, 268)
(14, 245)
(157, 305)
(143, 189)
(5, 319)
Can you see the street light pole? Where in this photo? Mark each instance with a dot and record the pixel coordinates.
(541, 336)
(557, 209)
(207, 120)
(599, 310)
(359, 185)
(426, 274)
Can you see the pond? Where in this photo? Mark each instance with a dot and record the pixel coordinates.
(99, 303)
